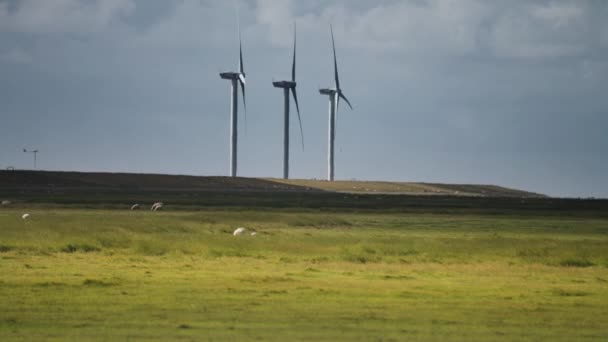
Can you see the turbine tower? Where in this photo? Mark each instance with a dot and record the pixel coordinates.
(236, 78)
(35, 152)
(335, 94)
(289, 86)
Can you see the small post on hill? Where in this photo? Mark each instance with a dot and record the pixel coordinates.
(35, 152)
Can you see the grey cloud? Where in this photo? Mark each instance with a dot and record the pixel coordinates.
(15, 55)
(456, 91)
(515, 29)
(62, 16)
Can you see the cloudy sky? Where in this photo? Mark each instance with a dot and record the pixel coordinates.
(461, 91)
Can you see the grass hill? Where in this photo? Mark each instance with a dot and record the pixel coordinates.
(409, 188)
(56, 180)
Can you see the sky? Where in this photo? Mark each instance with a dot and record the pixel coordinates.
(511, 93)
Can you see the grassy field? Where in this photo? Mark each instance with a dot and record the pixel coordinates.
(92, 274)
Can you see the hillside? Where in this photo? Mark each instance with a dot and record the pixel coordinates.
(409, 188)
(55, 180)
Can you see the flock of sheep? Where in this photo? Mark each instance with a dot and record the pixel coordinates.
(155, 207)
(6, 203)
(159, 205)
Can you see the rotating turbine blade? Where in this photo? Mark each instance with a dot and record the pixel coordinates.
(341, 96)
(244, 98)
(242, 78)
(293, 65)
(295, 98)
(241, 66)
(244, 101)
(336, 117)
(337, 105)
(242, 82)
(333, 43)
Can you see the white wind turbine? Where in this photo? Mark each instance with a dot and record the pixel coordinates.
(236, 78)
(289, 86)
(335, 94)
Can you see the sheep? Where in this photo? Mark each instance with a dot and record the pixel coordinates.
(25, 216)
(157, 206)
(242, 231)
(135, 207)
(239, 231)
(5, 202)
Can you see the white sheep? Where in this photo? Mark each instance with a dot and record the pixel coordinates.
(5, 202)
(135, 207)
(25, 216)
(157, 206)
(239, 231)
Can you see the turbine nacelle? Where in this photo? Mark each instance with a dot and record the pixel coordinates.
(329, 92)
(230, 75)
(285, 84)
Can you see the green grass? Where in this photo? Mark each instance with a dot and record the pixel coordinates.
(308, 275)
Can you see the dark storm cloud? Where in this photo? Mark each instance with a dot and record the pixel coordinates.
(463, 91)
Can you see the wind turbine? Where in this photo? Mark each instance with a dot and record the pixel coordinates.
(289, 86)
(35, 152)
(236, 78)
(335, 94)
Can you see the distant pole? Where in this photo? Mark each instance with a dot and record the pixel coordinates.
(35, 152)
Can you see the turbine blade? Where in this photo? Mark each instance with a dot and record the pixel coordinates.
(293, 66)
(333, 43)
(241, 66)
(337, 104)
(295, 97)
(345, 99)
(336, 117)
(238, 28)
(244, 98)
(242, 79)
(244, 103)
(337, 111)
